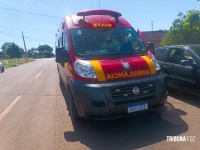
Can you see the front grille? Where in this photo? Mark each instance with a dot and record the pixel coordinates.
(126, 92)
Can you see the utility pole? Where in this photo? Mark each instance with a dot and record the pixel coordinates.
(99, 4)
(151, 33)
(24, 45)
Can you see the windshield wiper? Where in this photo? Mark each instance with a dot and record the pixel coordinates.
(131, 53)
(110, 55)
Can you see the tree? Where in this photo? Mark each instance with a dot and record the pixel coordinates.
(45, 51)
(185, 29)
(1, 54)
(12, 50)
(33, 52)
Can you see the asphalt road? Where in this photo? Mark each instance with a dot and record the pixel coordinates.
(34, 115)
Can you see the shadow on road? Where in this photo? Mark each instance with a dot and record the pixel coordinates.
(190, 97)
(127, 133)
(64, 92)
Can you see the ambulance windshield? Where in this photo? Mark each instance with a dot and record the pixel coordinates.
(106, 41)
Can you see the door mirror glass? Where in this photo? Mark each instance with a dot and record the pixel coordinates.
(61, 55)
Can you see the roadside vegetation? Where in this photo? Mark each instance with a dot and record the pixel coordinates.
(12, 55)
(15, 62)
(184, 30)
(11, 50)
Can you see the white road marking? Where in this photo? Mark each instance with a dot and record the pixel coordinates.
(2, 115)
(38, 75)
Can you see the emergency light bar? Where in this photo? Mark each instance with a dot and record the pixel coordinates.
(100, 12)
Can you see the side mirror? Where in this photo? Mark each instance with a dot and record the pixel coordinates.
(186, 63)
(151, 47)
(139, 33)
(60, 55)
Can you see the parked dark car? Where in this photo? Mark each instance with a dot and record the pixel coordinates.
(1, 67)
(181, 65)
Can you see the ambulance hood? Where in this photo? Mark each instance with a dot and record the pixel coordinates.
(124, 68)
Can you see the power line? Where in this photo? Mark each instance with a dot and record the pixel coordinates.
(30, 13)
(25, 37)
(9, 34)
(37, 39)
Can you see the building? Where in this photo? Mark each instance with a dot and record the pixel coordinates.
(153, 36)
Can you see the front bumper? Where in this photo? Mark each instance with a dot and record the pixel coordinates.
(111, 99)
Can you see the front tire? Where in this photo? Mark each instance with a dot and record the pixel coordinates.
(72, 107)
(158, 112)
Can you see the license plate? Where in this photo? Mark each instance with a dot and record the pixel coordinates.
(137, 107)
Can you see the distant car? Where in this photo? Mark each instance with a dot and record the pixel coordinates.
(1, 67)
(181, 64)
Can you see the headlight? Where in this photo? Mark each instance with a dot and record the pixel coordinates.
(84, 69)
(157, 66)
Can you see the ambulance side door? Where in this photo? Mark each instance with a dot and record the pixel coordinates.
(64, 67)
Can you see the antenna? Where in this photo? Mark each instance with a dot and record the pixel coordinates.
(99, 4)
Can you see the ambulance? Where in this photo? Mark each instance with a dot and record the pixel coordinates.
(107, 70)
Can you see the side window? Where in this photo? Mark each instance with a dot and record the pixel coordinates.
(177, 55)
(188, 56)
(160, 53)
(172, 52)
(60, 42)
(64, 40)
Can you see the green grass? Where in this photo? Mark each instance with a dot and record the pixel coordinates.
(15, 62)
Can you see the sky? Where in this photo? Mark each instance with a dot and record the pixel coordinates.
(43, 17)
